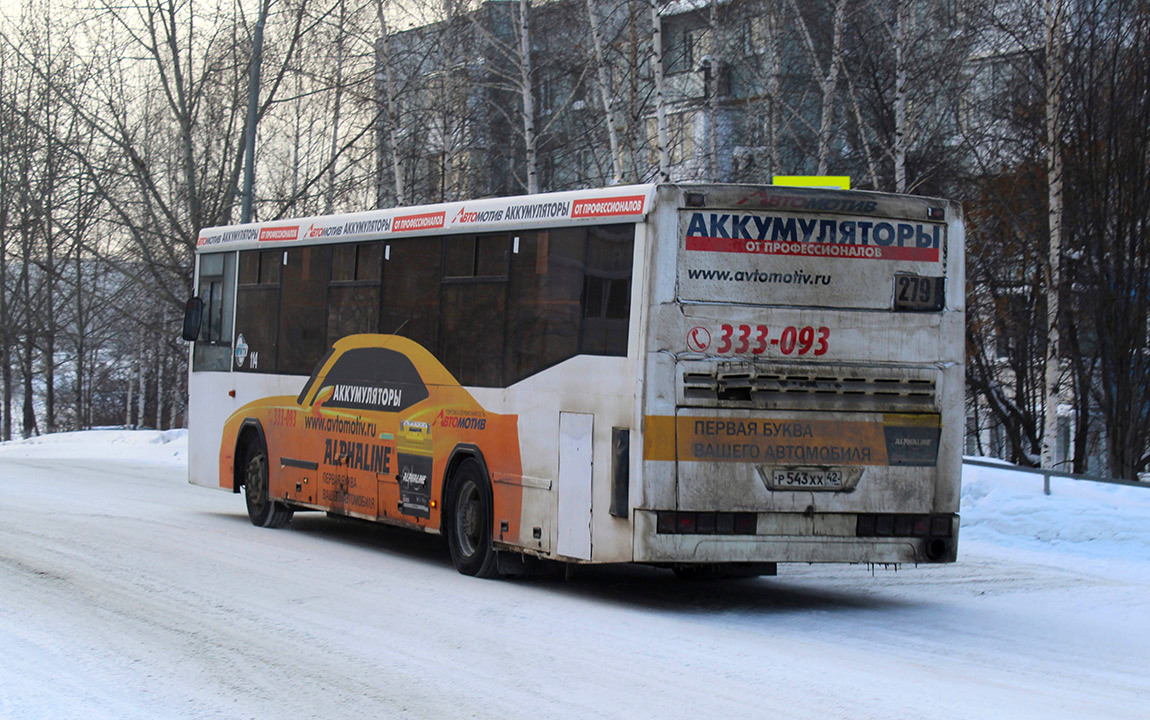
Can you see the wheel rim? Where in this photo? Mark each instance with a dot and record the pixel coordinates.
(256, 485)
(468, 523)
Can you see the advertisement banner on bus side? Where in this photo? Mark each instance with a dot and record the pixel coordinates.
(792, 259)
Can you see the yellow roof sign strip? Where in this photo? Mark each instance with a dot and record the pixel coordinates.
(842, 182)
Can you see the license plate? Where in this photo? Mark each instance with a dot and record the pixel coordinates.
(817, 479)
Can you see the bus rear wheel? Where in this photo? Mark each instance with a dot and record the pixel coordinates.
(469, 513)
(262, 509)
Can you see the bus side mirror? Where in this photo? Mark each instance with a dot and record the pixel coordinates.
(193, 314)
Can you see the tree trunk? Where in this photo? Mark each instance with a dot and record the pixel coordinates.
(141, 376)
(249, 133)
(528, 91)
(329, 201)
(774, 87)
(159, 388)
(901, 132)
(714, 68)
(387, 114)
(29, 427)
(825, 80)
(661, 143)
(131, 388)
(79, 347)
(1054, 12)
(6, 337)
(606, 95)
(176, 402)
(829, 88)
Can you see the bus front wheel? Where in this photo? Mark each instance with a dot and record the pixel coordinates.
(262, 509)
(469, 521)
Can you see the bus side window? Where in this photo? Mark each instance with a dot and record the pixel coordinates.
(303, 308)
(543, 315)
(411, 276)
(353, 293)
(257, 309)
(473, 307)
(213, 348)
(607, 289)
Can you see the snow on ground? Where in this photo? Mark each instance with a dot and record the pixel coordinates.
(169, 447)
(1094, 521)
(127, 593)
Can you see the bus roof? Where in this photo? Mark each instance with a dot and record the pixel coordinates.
(625, 203)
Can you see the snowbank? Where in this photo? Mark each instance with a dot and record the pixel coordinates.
(1005, 506)
(166, 447)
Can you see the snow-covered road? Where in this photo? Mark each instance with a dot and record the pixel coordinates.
(127, 593)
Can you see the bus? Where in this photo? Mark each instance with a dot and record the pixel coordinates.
(711, 378)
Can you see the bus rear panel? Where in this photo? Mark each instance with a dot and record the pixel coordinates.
(804, 378)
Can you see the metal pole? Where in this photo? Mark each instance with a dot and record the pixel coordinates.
(253, 107)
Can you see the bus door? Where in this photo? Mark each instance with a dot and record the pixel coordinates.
(574, 485)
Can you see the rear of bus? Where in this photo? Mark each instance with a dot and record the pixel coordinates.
(804, 378)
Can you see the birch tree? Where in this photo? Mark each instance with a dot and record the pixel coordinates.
(824, 75)
(8, 123)
(1054, 14)
(387, 114)
(527, 93)
(606, 95)
(662, 141)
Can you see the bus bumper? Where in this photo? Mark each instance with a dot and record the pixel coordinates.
(797, 537)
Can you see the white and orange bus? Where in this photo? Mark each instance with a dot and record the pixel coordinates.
(710, 378)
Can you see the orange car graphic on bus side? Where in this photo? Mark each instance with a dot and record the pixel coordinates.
(381, 431)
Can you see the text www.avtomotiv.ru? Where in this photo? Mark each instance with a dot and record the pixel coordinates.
(792, 277)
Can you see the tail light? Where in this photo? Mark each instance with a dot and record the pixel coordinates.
(689, 522)
(883, 525)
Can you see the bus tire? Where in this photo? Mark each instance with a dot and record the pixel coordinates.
(262, 509)
(469, 521)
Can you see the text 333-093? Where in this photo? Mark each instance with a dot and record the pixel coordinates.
(739, 339)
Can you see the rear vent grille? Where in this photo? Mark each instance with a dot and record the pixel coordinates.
(752, 384)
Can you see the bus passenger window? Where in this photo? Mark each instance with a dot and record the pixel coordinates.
(471, 340)
(546, 284)
(353, 293)
(303, 309)
(475, 256)
(607, 289)
(411, 290)
(257, 309)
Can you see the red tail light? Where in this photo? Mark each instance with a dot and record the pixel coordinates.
(686, 522)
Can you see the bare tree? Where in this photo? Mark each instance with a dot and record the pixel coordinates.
(1054, 14)
(387, 114)
(8, 124)
(607, 96)
(824, 68)
(662, 141)
(1105, 251)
